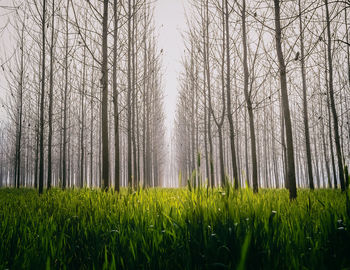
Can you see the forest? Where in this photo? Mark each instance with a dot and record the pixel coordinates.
(251, 174)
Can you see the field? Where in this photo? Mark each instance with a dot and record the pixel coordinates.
(174, 229)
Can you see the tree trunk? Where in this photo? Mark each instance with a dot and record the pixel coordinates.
(248, 101)
(129, 109)
(332, 101)
(305, 110)
(134, 97)
(285, 105)
(20, 115)
(104, 119)
(207, 69)
(64, 158)
(49, 154)
(221, 157)
(91, 131)
(228, 94)
(82, 152)
(42, 100)
(115, 102)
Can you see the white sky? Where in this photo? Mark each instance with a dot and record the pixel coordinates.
(170, 22)
(6, 47)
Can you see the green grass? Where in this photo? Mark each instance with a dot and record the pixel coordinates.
(174, 229)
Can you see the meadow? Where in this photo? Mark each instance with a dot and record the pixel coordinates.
(174, 229)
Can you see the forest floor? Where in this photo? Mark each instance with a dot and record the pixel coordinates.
(174, 229)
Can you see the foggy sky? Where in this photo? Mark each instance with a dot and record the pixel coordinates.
(170, 22)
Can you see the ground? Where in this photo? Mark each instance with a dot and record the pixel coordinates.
(174, 229)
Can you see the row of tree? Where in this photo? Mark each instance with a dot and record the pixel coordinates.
(264, 94)
(85, 102)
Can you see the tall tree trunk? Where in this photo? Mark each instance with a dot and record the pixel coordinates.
(334, 169)
(36, 165)
(69, 143)
(247, 96)
(332, 101)
(20, 114)
(228, 93)
(104, 119)
(148, 131)
(348, 62)
(210, 172)
(219, 123)
(305, 111)
(211, 148)
(144, 97)
(283, 144)
(275, 165)
(325, 155)
(42, 100)
(134, 96)
(318, 180)
(205, 119)
(115, 102)
(192, 116)
(221, 158)
(246, 150)
(49, 153)
(64, 157)
(82, 147)
(91, 131)
(285, 103)
(129, 109)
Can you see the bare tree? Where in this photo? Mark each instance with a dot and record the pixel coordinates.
(332, 101)
(285, 104)
(104, 104)
(42, 100)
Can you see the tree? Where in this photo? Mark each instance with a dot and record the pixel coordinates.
(332, 101)
(49, 154)
(290, 179)
(104, 117)
(42, 100)
(304, 86)
(65, 100)
(129, 109)
(19, 126)
(228, 92)
(247, 95)
(115, 99)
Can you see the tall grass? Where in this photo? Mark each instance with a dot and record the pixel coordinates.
(174, 229)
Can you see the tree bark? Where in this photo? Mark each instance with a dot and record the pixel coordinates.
(129, 109)
(249, 101)
(20, 115)
(332, 101)
(228, 93)
(42, 100)
(82, 148)
(64, 158)
(49, 154)
(305, 110)
(115, 102)
(285, 104)
(104, 119)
